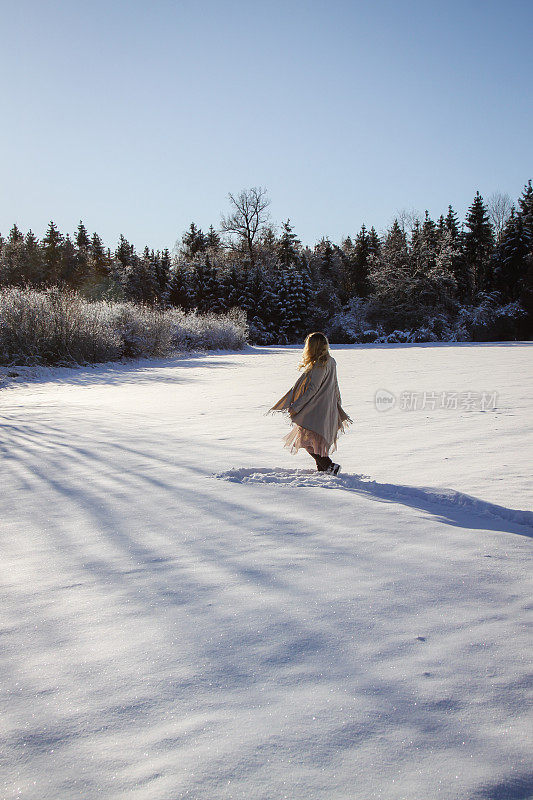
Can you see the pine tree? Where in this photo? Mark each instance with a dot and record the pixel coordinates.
(215, 301)
(52, 249)
(374, 243)
(424, 243)
(13, 260)
(213, 240)
(179, 292)
(226, 289)
(232, 287)
(162, 266)
(124, 252)
(244, 298)
(194, 241)
(478, 246)
(82, 253)
(98, 259)
(325, 266)
(347, 246)
(525, 204)
(452, 223)
(430, 241)
(289, 246)
(417, 248)
(35, 270)
(435, 286)
(360, 263)
(141, 284)
(510, 258)
(279, 301)
(256, 285)
(82, 237)
(300, 298)
(326, 259)
(70, 273)
(264, 319)
(390, 277)
(449, 252)
(525, 210)
(206, 288)
(347, 259)
(16, 235)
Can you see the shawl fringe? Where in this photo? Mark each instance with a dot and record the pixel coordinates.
(272, 411)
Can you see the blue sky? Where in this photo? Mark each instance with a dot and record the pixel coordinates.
(140, 117)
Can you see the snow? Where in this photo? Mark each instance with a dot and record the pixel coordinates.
(188, 611)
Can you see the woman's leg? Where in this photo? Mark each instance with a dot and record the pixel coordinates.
(322, 462)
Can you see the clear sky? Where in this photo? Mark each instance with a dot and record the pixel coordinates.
(140, 117)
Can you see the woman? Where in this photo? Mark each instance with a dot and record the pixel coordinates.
(314, 405)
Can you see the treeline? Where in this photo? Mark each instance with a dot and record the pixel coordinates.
(425, 280)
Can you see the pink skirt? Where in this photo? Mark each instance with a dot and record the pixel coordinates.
(309, 440)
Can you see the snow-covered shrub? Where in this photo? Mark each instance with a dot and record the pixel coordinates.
(53, 327)
(398, 337)
(370, 335)
(423, 334)
(436, 328)
(490, 321)
(143, 331)
(61, 327)
(261, 333)
(193, 331)
(347, 325)
(340, 331)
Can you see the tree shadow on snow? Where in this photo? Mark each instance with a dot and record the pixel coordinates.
(136, 371)
(516, 787)
(154, 566)
(450, 506)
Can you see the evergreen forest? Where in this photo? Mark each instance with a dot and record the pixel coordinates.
(422, 279)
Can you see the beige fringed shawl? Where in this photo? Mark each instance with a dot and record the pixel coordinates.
(314, 402)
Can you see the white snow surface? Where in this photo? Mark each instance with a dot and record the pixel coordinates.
(189, 611)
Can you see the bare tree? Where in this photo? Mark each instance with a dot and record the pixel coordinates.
(499, 208)
(406, 219)
(248, 217)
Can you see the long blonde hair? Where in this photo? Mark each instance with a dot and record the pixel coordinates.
(316, 351)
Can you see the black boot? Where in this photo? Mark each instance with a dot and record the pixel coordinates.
(325, 464)
(318, 461)
(322, 462)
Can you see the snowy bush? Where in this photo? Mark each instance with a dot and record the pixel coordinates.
(143, 331)
(490, 321)
(437, 328)
(193, 331)
(359, 323)
(53, 327)
(398, 337)
(261, 333)
(60, 327)
(370, 335)
(423, 334)
(347, 326)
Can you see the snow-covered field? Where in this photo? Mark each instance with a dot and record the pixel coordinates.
(188, 611)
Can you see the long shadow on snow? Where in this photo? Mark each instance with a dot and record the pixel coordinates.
(515, 787)
(115, 373)
(165, 577)
(448, 505)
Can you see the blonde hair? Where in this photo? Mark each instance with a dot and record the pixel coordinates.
(316, 351)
